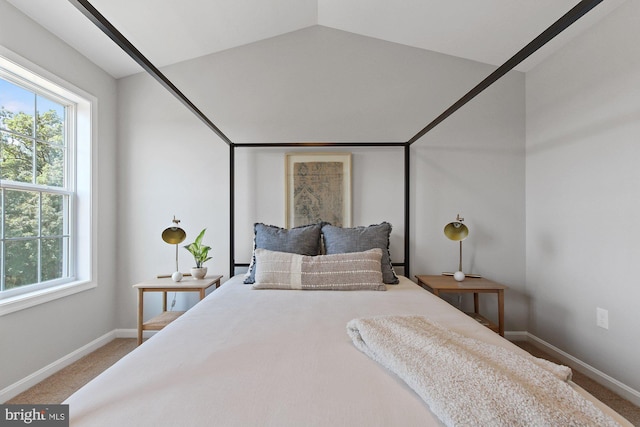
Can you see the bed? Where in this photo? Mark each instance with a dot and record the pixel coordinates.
(246, 357)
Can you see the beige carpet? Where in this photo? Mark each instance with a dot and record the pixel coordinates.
(63, 383)
(617, 403)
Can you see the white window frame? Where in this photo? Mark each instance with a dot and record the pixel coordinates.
(82, 226)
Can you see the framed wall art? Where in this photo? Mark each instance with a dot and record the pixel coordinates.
(318, 188)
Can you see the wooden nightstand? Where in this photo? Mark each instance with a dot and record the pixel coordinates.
(438, 284)
(164, 285)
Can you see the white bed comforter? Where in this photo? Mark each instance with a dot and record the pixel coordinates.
(245, 357)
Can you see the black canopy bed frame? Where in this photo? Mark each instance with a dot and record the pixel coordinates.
(556, 28)
(282, 358)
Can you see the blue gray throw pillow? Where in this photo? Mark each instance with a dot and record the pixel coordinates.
(303, 240)
(339, 240)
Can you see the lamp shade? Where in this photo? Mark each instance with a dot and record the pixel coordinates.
(456, 230)
(173, 234)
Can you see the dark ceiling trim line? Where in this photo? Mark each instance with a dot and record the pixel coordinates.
(556, 28)
(320, 144)
(101, 22)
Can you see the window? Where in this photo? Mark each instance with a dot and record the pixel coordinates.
(45, 188)
(35, 190)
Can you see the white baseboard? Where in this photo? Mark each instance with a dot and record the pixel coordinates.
(33, 379)
(516, 335)
(600, 377)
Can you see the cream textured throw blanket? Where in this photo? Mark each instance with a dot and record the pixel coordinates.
(467, 382)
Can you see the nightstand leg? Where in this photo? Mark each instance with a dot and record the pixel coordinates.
(140, 311)
(476, 303)
(501, 311)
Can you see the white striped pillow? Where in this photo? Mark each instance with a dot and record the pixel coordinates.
(344, 272)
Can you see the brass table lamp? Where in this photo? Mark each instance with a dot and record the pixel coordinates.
(174, 235)
(457, 232)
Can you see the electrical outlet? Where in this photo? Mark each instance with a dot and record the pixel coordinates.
(602, 318)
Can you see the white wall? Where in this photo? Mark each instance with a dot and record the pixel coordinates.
(320, 84)
(583, 180)
(473, 164)
(35, 337)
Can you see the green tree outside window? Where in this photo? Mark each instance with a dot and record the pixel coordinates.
(33, 151)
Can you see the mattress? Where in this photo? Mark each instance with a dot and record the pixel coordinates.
(246, 357)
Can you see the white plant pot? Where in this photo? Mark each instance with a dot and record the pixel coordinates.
(198, 273)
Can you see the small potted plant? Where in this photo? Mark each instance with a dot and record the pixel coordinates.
(200, 254)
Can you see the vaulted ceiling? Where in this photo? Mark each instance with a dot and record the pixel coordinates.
(171, 31)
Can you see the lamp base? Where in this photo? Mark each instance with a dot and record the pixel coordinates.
(177, 276)
(167, 276)
(471, 276)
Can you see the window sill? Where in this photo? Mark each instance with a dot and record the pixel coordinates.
(31, 299)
